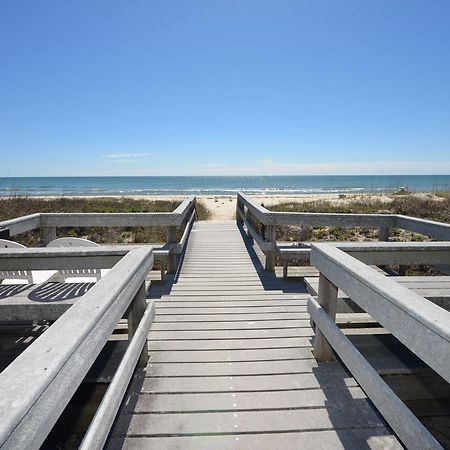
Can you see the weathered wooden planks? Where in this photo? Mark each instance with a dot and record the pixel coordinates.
(374, 438)
(231, 366)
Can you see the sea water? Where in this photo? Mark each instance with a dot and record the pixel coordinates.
(220, 185)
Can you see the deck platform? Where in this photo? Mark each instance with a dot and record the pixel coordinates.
(231, 363)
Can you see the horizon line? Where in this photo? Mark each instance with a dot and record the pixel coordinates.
(235, 176)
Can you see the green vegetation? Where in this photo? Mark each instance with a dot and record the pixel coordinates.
(433, 207)
(424, 207)
(11, 207)
(443, 194)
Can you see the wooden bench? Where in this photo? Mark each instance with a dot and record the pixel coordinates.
(288, 251)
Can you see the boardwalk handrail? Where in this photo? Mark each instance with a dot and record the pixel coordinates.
(420, 325)
(39, 383)
(48, 222)
(247, 210)
(386, 253)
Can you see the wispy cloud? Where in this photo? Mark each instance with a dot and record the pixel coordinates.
(269, 166)
(124, 156)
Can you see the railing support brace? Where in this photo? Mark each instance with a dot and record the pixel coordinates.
(249, 218)
(135, 312)
(270, 236)
(239, 206)
(172, 258)
(48, 235)
(383, 234)
(327, 299)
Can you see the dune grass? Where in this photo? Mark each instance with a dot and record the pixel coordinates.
(433, 207)
(16, 206)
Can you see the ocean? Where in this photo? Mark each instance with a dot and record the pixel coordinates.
(214, 185)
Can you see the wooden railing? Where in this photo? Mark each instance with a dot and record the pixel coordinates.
(248, 211)
(420, 325)
(184, 214)
(36, 387)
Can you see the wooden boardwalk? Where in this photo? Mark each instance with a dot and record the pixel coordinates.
(231, 364)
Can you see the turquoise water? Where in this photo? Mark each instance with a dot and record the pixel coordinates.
(265, 185)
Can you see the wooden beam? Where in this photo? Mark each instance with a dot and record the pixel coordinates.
(383, 234)
(22, 224)
(171, 233)
(327, 298)
(270, 254)
(134, 315)
(330, 219)
(101, 424)
(48, 235)
(257, 210)
(63, 257)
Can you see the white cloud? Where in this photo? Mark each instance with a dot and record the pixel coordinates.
(124, 155)
(269, 166)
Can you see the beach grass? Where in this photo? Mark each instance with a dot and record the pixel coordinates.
(16, 206)
(432, 207)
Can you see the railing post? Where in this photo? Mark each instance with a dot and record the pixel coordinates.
(134, 315)
(383, 234)
(270, 237)
(327, 299)
(249, 218)
(239, 206)
(172, 257)
(48, 235)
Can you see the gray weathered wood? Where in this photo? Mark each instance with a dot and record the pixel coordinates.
(39, 383)
(260, 240)
(376, 253)
(270, 254)
(22, 224)
(431, 228)
(134, 315)
(101, 424)
(419, 324)
(222, 362)
(382, 221)
(249, 219)
(257, 210)
(383, 234)
(410, 430)
(171, 233)
(62, 257)
(239, 209)
(327, 299)
(48, 235)
(330, 219)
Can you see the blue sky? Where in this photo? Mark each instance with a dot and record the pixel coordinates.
(224, 87)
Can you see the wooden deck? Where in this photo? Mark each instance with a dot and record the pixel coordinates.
(231, 364)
